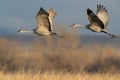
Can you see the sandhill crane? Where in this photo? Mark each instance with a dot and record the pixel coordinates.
(98, 22)
(44, 23)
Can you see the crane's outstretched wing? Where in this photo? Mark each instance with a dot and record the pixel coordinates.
(52, 14)
(94, 20)
(102, 14)
(43, 22)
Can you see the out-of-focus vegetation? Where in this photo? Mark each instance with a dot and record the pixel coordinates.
(59, 55)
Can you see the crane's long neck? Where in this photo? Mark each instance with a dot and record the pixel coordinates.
(27, 31)
(82, 26)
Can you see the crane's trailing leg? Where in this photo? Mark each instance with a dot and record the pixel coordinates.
(112, 35)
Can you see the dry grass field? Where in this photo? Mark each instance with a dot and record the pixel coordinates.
(49, 58)
(57, 76)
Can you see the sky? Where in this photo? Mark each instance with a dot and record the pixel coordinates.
(15, 14)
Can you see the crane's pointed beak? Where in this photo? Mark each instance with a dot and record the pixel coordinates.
(73, 25)
(19, 30)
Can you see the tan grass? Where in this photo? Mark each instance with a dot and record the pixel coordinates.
(57, 76)
(49, 58)
(57, 54)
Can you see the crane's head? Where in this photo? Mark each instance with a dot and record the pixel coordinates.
(75, 25)
(21, 30)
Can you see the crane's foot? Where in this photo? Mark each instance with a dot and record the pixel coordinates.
(114, 36)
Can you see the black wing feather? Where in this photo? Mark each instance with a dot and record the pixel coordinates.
(44, 12)
(94, 19)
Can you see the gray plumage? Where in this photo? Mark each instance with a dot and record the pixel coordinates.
(44, 23)
(98, 21)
